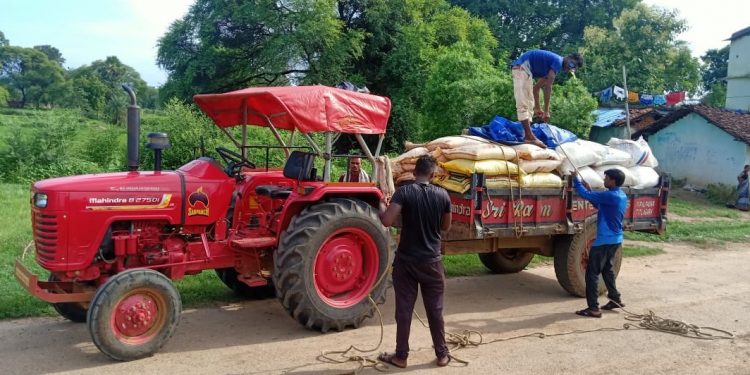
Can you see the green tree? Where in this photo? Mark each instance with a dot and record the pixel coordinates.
(713, 72)
(28, 73)
(556, 25)
(96, 89)
(3, 41)
(52, 53)
(4, 96)
(220, 46)
(463, 90)
(644, 39)
(717, 95)
(715, 65)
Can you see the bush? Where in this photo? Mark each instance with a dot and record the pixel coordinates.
(720, 193)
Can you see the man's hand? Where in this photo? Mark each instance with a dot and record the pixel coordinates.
(574, 175)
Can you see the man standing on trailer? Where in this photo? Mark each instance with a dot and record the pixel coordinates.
(543, 66)
(611, 205)
(425, 210)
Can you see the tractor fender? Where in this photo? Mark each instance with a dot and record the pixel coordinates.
(300, 199)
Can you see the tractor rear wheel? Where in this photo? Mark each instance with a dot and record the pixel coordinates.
(229, 277)
(73, 311)
(571, 260)
(330, 259)
(506, 260)
(134, 314)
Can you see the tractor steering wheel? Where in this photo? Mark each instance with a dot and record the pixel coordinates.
(233, 160)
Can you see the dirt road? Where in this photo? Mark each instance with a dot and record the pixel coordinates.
(701, 286)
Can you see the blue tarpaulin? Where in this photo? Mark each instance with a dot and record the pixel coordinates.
(502, 130)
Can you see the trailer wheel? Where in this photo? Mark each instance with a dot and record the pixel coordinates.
(228, 276)
(73, 311)
(506, 260)
(571, 260)
(134, 314)
(328, 262)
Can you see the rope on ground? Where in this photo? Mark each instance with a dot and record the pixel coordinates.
(473, 338)
(344, 356)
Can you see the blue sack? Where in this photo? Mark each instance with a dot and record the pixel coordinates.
(508, 132)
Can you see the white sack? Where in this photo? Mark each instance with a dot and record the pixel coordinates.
(639, 151)
(646, 177)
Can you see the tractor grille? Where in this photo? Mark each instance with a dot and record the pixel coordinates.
(46, 236)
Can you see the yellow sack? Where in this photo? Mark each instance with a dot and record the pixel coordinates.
(542, 180)
(480, 152)
(488, 167)
(457, 182)
(496, 182)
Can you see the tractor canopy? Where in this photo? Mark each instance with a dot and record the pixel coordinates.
(305, 109)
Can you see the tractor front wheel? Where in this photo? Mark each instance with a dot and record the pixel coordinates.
(329, 261)
(134, 314)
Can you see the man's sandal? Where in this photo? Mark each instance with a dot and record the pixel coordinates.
(589, 313)
(611, 305)
(391, 359)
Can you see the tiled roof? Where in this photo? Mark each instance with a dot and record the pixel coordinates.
(735, 123)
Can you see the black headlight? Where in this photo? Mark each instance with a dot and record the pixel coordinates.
(40, 200)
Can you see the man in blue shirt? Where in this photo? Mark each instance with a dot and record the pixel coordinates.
(543, 66)
(611, 205)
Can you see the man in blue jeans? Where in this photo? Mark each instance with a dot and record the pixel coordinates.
(611, 205)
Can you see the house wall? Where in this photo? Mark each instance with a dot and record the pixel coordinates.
(695, 149)
(738, 74)
(603, 135)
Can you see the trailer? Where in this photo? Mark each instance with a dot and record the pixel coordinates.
(507, 227)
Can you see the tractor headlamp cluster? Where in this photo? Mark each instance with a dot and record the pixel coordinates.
(40, 200)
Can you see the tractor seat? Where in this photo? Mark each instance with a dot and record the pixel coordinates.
(273, 191)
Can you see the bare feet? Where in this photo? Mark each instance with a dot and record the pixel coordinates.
(536, 142)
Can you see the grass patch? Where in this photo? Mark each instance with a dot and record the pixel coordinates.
(640, 251)
(699, 232)
(700, 208)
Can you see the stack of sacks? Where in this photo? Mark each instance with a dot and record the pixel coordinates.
(633, 158)
(403, 166)
(538, 163)
(466, 155)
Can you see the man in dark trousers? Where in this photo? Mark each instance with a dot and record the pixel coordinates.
(611, 205)
(542, 66)
(425, 210)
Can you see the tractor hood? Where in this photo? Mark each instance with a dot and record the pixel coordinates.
(112, 182)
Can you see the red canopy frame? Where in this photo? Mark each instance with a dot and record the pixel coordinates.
(306, 109)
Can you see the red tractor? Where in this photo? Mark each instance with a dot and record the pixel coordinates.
(114, 242)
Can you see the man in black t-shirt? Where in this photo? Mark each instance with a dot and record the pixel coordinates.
(425, 210)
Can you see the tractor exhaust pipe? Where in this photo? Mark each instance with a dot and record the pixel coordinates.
(134, 129)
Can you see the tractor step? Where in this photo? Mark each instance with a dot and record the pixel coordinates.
(253, 282)
(250, 243)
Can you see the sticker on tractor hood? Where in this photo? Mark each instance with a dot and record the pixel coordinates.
(129, 203)
(134, 188)
(198, 203)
